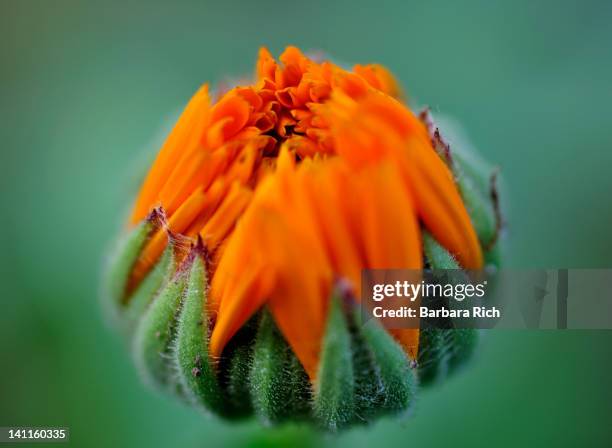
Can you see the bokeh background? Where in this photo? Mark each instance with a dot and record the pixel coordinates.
(86, 87)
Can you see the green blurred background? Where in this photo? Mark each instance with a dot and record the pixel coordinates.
(85, 87)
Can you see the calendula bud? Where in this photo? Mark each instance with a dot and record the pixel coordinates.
(238, 283)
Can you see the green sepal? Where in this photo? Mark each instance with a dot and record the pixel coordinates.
(396, 377)
(369, 389)
(479, 206)
(437, 256)
(300, 388)
(279, 386)
(119, 266)
(477, 182)
(138, 302)
(493, 255)
(334, 400)
(237, 381)
(153, 336)
(196, 374)
(443, 351)
(234, 369)
(462, 343)
(432, 361)
(440, 260)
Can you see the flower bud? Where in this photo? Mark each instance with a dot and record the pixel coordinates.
(238, 283)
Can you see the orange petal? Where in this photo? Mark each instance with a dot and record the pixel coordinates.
(266, 65)
(226, 215)
(187, 174)
(214, 196)
(238, 305)
(228, 117)
(379, 77)
(244, 277)
(440, 205)
(390, 231)
(193, 118)
(242, 168)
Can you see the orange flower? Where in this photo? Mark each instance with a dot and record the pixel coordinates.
(309, 175)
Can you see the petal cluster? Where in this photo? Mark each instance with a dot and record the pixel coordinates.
(300, 180)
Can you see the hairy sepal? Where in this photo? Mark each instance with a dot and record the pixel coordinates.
(153, 337)
(395, 374)
(195, 370)
(119, 266)
(279, 386)
(334, 399)
(442, 350)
